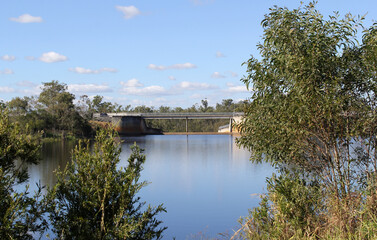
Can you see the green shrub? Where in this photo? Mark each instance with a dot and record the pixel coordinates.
(93, 199)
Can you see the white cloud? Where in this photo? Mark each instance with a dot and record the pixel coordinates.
(81, 70)
(26, 84)
(112, 70)
(155, 67)
(27, 18)
(8, 58)
(134, 87)
(174, 66)
(194, 86)
(7, 71)
(183, 66)
(33, 90)
(89, 88)
(236, 88)
(233, 74)
(172, 78)
(146, 91)
(132, 83)
(151, 102)
(6, 90)
(51, 57)
(128, 11)
(219, 54)
(196, 96)
(217, 75)
(30, 58)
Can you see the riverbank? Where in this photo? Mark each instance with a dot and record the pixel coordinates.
(202, 133)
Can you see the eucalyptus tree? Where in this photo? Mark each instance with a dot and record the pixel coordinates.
(57, 108)
(58, 105)
(313, 103)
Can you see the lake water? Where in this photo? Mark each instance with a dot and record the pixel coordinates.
(204, 181)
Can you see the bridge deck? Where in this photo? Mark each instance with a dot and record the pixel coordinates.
(212, 115)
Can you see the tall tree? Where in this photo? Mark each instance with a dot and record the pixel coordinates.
(58, 103)
(58, 110)
(313, 100)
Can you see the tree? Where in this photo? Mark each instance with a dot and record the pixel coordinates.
(58, 104)
(19, 106)
(59, 112)
(97, 105)
(204, 106)
(313, 103)
(143, 109)
(93, 199)
(226, 105)
(21, 215)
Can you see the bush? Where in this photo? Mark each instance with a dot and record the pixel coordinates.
(94, 200)
(21, 215)
(292, 209)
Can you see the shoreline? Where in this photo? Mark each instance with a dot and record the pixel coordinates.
(201, 133)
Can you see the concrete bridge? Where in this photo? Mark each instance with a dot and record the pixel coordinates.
(134, 123)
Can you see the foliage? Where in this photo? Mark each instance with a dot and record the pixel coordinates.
(292, 209)
(196, 125)
(53, 111)
(59, 110)
(21, 215)
(93, 199)
(313, 107)
(58, 103)
(298, 208)
(97, 105)
(23, 111)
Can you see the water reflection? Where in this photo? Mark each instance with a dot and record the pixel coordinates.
(204, 181)
(53, 155)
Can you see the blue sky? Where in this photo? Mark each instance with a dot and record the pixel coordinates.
(172, 53)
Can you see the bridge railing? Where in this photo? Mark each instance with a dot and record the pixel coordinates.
(212, 115)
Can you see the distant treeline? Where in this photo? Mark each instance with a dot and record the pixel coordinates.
(55, 112)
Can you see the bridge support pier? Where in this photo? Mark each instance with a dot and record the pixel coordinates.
(133, 126)
(186, 124)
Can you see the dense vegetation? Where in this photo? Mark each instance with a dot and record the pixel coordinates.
(55, 112)
(93, 198)
(52, 112)
(313, 115)
(21, 214)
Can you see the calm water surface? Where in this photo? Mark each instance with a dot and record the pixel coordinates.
(204, 181)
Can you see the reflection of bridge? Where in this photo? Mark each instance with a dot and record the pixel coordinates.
(134, 123)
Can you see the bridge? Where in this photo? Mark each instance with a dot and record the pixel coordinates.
(134, 123)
